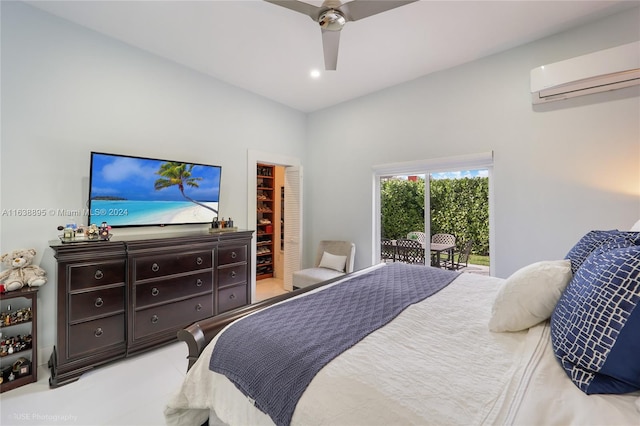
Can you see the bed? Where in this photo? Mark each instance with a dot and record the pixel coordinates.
(475, 350)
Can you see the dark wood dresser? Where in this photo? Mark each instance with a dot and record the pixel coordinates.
(130, 294)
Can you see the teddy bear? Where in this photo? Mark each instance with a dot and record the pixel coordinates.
(21, 272)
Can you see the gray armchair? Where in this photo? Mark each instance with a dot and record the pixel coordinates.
(338, 261)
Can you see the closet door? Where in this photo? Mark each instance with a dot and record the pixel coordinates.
(292, 223)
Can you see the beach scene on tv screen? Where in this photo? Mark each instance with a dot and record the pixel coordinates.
(129, 191)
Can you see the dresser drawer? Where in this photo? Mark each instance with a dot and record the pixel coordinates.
(228, 255)
(96, 274)
(154, 292)
(169, 264)
(172, 316)
(94, 303)
(230, 275)
(91, 336)
(232, 297)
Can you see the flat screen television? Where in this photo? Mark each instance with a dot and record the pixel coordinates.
(137, 191)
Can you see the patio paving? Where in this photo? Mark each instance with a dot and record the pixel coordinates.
(476, 269)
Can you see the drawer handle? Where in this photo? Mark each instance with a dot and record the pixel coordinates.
(232, 296)
(155, 267)
(199, 282)
(154, 319)
(99, 302)
(234, 254)
(98, 275)
(233, 274)
(155, 291)
(198, 307)
(199, 260)
(98, 332)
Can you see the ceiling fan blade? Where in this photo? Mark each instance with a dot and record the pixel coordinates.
(355, 10)
(299, 6)
(330, 42)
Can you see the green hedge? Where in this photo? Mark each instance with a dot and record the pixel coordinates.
(458, 206)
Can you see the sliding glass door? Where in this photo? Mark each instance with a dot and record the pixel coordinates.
(402, 205)
(459, 206)
(418, 202)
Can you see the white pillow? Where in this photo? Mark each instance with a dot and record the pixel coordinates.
(331, 261)
(529, 295)
(636, 227)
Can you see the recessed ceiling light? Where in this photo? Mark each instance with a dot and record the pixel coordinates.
(315, 74)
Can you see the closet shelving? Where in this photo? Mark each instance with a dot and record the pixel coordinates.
(265, 217)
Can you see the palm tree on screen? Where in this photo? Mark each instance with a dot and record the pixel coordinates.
(179, 174)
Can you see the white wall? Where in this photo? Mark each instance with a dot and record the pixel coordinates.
(559, 170)
(67, 91)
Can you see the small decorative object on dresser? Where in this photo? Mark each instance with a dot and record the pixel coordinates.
(131, 294)
(222, 226)
(104, 231)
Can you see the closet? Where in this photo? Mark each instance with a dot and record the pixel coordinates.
(265, 227)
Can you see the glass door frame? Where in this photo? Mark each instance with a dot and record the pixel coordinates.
(426, 167)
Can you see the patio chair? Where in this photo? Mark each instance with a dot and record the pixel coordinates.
(333, 259)
(410, 251)
(463, 257)
(443, 239)
(421, 237)
(387, 250)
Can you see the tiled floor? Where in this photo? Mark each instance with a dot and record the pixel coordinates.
(133, 391)
(269, 287)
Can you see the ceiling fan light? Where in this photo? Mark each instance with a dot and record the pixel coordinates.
(331, 20)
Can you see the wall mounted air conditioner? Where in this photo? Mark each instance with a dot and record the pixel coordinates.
(608, 69)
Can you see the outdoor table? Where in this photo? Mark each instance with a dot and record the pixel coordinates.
(436, 248)
(439, 248)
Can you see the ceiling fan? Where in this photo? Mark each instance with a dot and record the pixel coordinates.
(333, 15)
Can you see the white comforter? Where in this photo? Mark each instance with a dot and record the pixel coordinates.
(436, 363)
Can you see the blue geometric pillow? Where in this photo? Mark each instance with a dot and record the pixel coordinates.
(595, 327)
(591, 241)
(615, 242)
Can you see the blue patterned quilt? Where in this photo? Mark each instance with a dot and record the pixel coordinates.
(273, 355)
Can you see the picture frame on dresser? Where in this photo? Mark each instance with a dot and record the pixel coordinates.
(131, 294)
